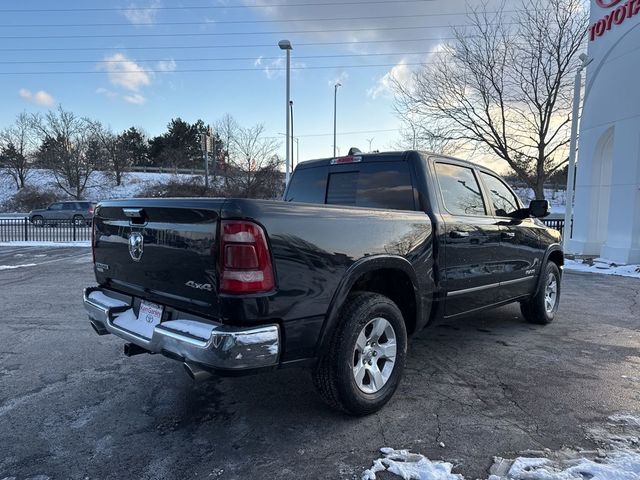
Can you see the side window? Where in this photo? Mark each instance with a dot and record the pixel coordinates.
(308, 185)
(503, 200)
(384, 185)
(69, 206)
(460, 190)
(56, 206)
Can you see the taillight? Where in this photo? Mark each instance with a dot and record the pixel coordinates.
(347, 159)
(245, 262)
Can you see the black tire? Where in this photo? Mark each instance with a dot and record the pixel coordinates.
(78, 220)
(37, 221)
(334, 375)
(536, 309)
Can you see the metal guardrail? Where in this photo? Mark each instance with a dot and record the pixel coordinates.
(65, 230)
(557, 223)
(52, 230)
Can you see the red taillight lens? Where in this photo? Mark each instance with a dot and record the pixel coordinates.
(245, 264)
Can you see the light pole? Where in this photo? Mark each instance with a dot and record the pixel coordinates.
(568, 214)
(335, 103)
(292, 137)
(286, 45)
(297, 142)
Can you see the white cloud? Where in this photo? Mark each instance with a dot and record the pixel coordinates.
(276, 68)
(135, 98)
(166, 65)
(141, 15)
(125, 73)
(106, 92)
(384, 86)
(341, 79)
(40, 98)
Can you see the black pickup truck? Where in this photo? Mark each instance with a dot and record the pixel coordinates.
(364, 251)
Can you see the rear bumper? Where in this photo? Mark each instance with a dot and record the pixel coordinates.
(210, 345)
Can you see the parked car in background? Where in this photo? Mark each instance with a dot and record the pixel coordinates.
(73, 212)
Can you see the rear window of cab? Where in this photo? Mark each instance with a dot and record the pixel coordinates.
(385, 185)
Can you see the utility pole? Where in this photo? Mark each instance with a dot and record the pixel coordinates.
(292, 137)
(204, 140)
(335, 103)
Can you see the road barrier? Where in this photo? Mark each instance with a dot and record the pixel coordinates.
(50, 230)
(65, 230)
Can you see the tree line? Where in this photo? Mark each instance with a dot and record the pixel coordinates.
(243, 160)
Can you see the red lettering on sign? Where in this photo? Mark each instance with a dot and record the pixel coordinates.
(607, 3)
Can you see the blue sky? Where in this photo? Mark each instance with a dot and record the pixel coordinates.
(135, 69)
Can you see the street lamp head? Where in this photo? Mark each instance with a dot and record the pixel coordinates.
(291, 102)
(285, 45)
(338, 84)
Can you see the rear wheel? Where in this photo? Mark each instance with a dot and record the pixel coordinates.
(78, 220)
(363, 366)
(542, 307)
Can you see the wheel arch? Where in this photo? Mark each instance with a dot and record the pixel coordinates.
(553, 254)
(384, 274)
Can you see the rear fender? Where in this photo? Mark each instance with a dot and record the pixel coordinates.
(352, 275)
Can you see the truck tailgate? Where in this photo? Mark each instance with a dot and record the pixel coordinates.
(164, 251)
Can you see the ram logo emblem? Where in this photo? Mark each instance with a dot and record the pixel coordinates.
(136, 246)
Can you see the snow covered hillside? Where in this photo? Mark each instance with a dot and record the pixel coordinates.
(101, 187)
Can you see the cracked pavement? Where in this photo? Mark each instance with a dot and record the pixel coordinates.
(72, 406)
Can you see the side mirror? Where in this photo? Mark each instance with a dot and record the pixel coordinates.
(539, 208)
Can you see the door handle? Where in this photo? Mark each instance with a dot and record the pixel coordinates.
(508, 235)
(458, 234)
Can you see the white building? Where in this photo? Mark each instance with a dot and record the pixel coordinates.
(607, 198)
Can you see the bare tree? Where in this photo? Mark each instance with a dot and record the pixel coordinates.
(16, 144)
(505, 84)
(67, 141)
(117, 158)
(418, 135)
(227, 130)
(253, 153)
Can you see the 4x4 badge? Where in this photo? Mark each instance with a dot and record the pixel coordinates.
(136, 246)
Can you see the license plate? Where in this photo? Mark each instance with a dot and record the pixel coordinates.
(150, 314)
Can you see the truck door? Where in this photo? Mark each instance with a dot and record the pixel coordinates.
(471, 241)
(522, 248)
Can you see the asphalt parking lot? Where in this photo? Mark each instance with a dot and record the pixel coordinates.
(72, 406)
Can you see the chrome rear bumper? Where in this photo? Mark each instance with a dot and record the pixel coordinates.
(211, 345)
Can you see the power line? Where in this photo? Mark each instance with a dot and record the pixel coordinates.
(215, 34)
(229, 22)
(208, 7)
(194, 47)
(218, 59)
(204, 70)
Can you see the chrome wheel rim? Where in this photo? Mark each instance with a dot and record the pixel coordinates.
(374, 355)
(551, 293)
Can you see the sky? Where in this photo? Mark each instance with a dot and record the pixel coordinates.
(142, 63)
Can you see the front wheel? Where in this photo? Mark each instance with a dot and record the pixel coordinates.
(542, 307)
(38, 221)
(363, 365)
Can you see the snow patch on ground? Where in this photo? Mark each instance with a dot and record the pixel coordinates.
(557, 198)
(45, 244)
(410, 466)
(617, 459)
(13, 267)
(603, 266)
